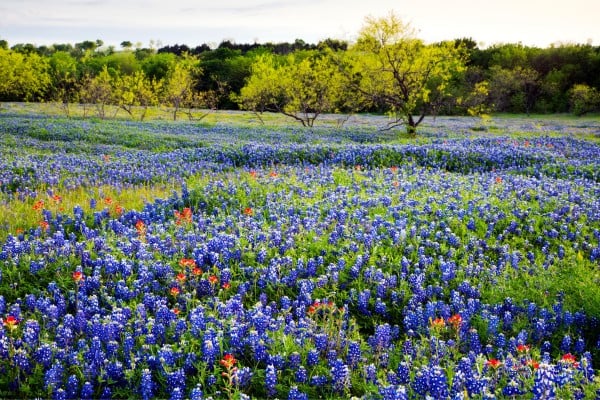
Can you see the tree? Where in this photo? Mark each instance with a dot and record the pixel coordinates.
(301, 87)
(136, 90)
(97, 90)
(396, 72)
(514, 90)
(179, 85)
(583, 99)
(63, 72)
(23, 77)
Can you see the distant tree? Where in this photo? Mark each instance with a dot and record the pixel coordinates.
(156, 66)
(24, 48)
(200, 49)
(126, 45)
(333, 44)
(394, 71)
(177, 49)
(3, 44)
(514, 90)
(224, 72)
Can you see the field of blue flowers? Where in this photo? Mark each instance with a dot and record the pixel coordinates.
(294, 264)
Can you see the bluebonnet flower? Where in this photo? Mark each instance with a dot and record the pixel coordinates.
(301, 375)
(543, 385)
(196, 393)
(271, 381)
(295, 394)
(312, 357)
(393, 392)
(147, 385)
(340, 376)
(72, 389)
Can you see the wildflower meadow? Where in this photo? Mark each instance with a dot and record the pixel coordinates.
(178, 260)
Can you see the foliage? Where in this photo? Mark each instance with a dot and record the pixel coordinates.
(22, 76)
(584, 99)
(438, 79)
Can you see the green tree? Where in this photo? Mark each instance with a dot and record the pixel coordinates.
(394, 71)
(583, 99)
(23, 77)
(178, 88)
(63, 72)
(514, 90)
(97, 91)
(133, 91)
(300, 87)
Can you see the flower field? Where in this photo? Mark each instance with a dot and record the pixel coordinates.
(173, 260)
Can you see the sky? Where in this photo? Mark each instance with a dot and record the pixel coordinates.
(193, 22)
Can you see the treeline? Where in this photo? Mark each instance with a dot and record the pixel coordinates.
(502, 78)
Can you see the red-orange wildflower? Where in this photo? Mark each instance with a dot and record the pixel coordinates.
(56, 198)
(523, 348)
(498, 180)
(140, 226)
(77, 276)
(570, 359)
(44, 225)
(196, 271)
(273, 174)
(438, 323)
(248, 211)
(226, 285)
(180, 277)
(11, 322)
(253, 174)
(187, 262)
(494, 363)
(184, 216)
(175, 291)
(455, 321)
(228, 361)
(213, 279)
(38, 205)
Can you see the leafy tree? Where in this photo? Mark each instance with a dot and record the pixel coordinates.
(136, 90)
(394, 71)
(301, 87)
(514, 90)
(22, 76)
(63, 72)
(224, 71)
(583, 99)
(98, 91)
(156, 66)
(179, 85)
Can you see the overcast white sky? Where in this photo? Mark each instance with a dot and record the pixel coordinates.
(193, 22)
